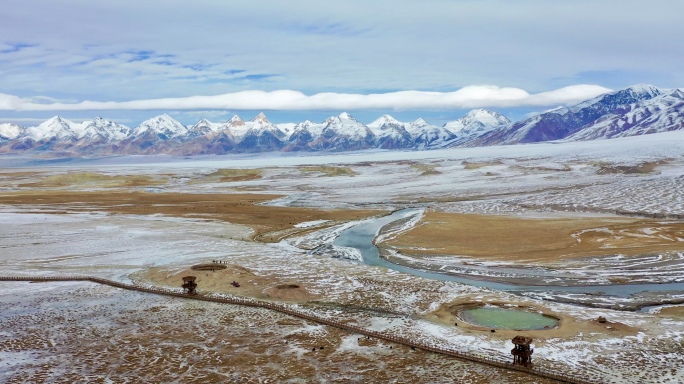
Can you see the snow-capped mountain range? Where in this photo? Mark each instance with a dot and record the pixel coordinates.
(637, 110)
(163, 134)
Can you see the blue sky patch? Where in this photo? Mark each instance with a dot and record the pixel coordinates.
(16, 47)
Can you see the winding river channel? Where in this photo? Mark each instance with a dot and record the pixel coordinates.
(361, 237)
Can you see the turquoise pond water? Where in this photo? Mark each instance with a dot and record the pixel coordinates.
(502, 318)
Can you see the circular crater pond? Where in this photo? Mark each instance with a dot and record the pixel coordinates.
(507, 318)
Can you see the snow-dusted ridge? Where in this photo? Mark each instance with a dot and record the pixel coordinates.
(637, 110)
(10, 131)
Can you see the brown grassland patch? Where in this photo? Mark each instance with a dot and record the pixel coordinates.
(95, 180)
(11, 173)
(328, 170)
(233, 174)
(221, 278)
(474, 165)
(643, 168)
(426, 169)
(548, 239)
(234, 208)
(676, 311)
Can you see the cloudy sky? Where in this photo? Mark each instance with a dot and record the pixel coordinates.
(129, 60)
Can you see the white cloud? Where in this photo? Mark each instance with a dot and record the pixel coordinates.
(10, 102)
(39, 120)
(467, 97)
(201, 114)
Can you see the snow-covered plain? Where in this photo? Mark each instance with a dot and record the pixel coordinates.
(541, 179)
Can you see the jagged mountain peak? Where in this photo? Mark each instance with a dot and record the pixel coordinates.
(426, 135)
(163, 117)
(477, 120)
(343, 118)
(53, 128)
(486, 116)
(162, 120)
(203, 127)
(54, 120)
(633, 93)
(204, 124)
(163, 125)
(678, 93)
(100, 129)
(626, 96)
(9, 131)
(382, 120)
(236, 120)
(644, 89)
(101, 122)
(304, 124)
(389, 119)
(420, 122)
(260, 118)
(348, 131)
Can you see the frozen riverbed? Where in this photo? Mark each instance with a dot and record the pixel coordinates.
(567, 284)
